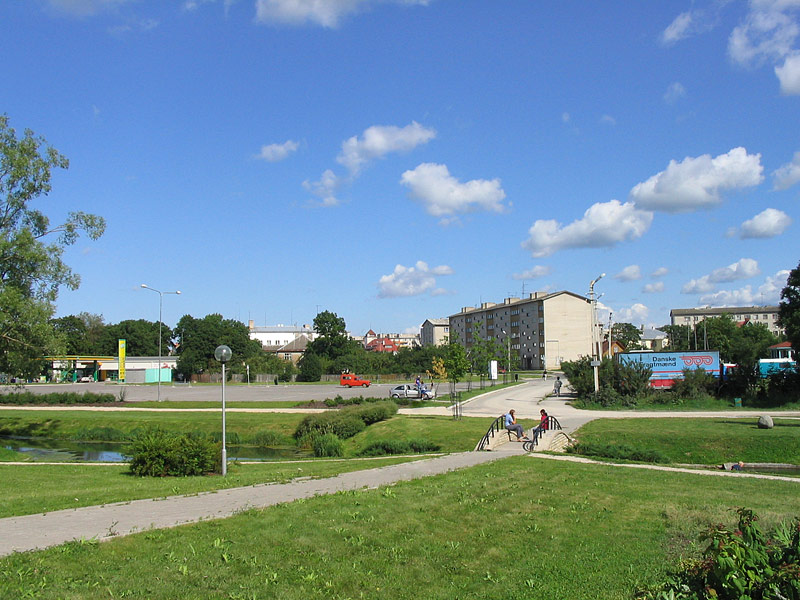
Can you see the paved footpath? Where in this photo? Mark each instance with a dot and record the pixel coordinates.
(31, 532)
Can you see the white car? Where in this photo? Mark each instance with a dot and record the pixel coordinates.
(410, 391)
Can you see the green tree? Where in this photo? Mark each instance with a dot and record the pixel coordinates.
(31, 269)
(677, 337)
(627, 334)
(456, 363)
(484, 350)
(311, 367)
(140, 335)
(332, 341)
(789, 308)
(73, 333)
(198, 338)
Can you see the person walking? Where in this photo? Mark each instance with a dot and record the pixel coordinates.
(557, 387)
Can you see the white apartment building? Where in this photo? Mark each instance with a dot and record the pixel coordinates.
(540, 331)
(768, 315)
(434, 332)
(280, 335)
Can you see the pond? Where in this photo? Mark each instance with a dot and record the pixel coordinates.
(49, 450)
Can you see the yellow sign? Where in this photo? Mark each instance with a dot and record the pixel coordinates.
(122, 360)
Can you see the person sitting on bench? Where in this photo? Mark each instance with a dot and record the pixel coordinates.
(514, 427)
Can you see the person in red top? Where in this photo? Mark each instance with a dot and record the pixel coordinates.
(543, 420)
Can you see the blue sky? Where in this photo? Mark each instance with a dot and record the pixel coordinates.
(397, 160)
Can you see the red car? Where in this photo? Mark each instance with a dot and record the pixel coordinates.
(350, 380)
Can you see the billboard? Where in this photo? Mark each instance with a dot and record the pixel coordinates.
(122, 351)
(668, 366)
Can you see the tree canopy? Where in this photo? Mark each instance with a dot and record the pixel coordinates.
(31, 267)
(789, 308)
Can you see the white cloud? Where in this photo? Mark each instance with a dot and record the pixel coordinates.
(537, 271)
(678, 29)
(766, 224)
(787, 175)
(376, 142)
(84, 8)
(276, 152)
(768, 292)
(412, 281)
(744, 268)
(674, 92)
(445, 196)
(637, 313)
(696, 183)
(325, 189)
(379, 140)
(608, 120)
(788, 75)
(653, 288)
(767, 33)
(659, 272)
(603, 224)
(629, 273)
(565, 118)
(326, 13)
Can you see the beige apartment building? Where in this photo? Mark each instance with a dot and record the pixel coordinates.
(768, 315)
(435, 332)
(540, 331)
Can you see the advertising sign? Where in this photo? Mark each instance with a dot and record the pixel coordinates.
(668, 366)
(121, 352)
(492, 369)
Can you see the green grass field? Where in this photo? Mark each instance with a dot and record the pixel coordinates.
(701, 441)
(520, 528)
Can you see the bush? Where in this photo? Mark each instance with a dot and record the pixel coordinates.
(327, 445)
(56, 398)
(310, 368)
(386, 447)
(231, 437)
(420, 446)
(740, 563)
(158, 453)
(268, 439)
(696, 383)
(373, 413)
(340, 424)
(617, 452)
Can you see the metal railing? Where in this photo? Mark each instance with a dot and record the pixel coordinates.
(538, 432)
(497, 426)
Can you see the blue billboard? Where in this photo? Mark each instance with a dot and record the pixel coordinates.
(668, 366)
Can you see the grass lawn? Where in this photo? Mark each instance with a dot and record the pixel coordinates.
(34, 488)
(701, 441)
(520, 528)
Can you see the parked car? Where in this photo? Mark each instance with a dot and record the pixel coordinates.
(350, 380)
(411, 391)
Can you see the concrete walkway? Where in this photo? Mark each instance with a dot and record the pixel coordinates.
(32, 532)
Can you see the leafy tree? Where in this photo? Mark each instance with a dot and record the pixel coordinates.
(140, 335)
(332, 341)
(677, 337)
(310, 367)
(73, 333)
(198, 338)
(627, 334)
(31, 270)
(484, 350)
(789, 308)
(456, 363)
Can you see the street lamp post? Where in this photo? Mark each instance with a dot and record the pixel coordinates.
(595, 353)
(223, 354)
(160, 303)
(508, 343)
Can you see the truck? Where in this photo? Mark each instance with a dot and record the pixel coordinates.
(669, 366)
(350, 380)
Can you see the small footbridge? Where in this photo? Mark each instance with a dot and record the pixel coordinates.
(543, 437)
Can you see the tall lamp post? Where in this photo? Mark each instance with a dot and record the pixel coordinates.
(160, 303)
(595, 353)
(223, 354)
(508, 343)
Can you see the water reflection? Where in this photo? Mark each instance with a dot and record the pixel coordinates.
(49, 450)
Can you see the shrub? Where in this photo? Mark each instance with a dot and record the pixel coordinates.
(386, 447)
(617, 452)
(310, 368)
(231, 437)
(336, 422)
(696, 383)
(326, 445)
(419, 445)
(56, 398)
(268, 439)
(740, 563)
(158, 453)
(373, 413)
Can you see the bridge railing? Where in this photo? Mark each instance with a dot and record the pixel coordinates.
(496, 427)
(538, 432)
